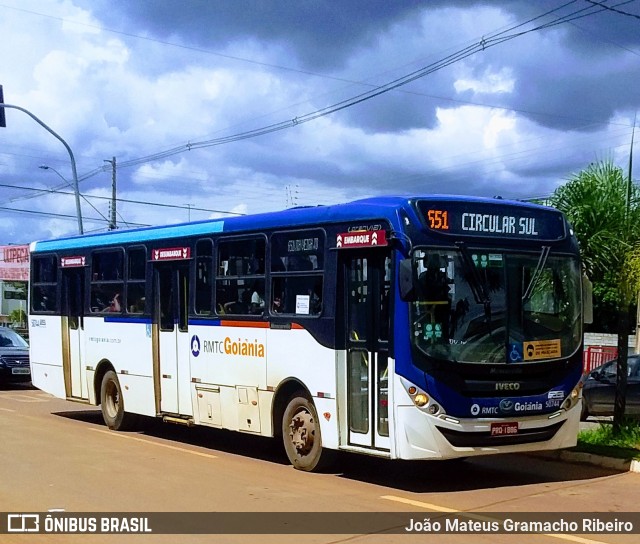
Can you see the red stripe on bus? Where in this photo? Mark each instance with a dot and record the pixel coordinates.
(250, 324)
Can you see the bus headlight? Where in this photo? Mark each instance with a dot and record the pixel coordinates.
(573, 398)
(420, 400)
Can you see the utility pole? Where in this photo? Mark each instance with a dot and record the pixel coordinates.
(74, 172)
(624, 318)
(112, 223)
(3, 119)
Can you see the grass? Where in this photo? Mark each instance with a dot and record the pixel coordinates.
(602, 441)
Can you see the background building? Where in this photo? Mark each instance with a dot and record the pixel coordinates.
(14, 275)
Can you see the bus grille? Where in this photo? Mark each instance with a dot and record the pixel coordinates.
(480, 381)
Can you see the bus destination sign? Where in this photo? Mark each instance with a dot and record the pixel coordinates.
(492, 220)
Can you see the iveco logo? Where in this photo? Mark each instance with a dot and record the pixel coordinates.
(507, 386)
(506, 405)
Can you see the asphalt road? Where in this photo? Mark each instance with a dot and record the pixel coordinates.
(57, 455)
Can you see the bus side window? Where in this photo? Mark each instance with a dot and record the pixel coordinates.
(240, 281)
(240, 305)
(44, 298)
(204, 277)
(137, 261)
(43, 284)
(297, 259)
(107, 283)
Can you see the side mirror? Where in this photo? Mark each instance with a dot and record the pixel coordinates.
(406, 281)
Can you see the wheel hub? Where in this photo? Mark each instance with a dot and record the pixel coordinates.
(112, 400)
(302, 432)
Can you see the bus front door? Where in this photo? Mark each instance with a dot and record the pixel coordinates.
(73, 283)
(367, 315)
(172, 339)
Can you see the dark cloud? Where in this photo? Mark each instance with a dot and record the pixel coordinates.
(321, 35)
(393, 112)
(563, 89)
(556, 88)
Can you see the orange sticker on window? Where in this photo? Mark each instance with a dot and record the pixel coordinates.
(541, 349)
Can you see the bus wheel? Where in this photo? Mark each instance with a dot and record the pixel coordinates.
(112, 403)
(301, 436)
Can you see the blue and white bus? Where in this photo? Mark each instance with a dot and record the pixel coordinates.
(433, 327)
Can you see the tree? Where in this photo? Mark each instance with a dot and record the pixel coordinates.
(18, 317)
(604, 210)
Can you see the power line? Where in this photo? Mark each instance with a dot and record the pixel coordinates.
(619, 11)
(298, 120)
(482, 45)
(126, 200)
(61, 216)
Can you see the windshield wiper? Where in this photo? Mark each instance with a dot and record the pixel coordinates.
(477, 283)
(537, 273)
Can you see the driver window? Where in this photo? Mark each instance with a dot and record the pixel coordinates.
(610, 370)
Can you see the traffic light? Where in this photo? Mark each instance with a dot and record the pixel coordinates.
(3, 121)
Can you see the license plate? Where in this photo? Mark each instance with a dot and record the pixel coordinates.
(504, 429)
(20, 371)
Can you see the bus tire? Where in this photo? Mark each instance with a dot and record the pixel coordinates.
(301, 436)
(112, 403)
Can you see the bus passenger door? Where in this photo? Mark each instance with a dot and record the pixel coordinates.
(172, 319)
(73, 285)
(367, 325)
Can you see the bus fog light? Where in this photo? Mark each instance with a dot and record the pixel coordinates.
(433, 409)
(420, 400)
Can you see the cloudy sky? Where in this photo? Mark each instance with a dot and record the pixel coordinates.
(244, 106)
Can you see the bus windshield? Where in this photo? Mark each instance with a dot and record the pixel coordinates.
(481, 306)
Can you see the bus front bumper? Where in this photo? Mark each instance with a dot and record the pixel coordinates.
(423, 436)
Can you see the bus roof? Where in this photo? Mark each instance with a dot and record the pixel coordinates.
(381, 207)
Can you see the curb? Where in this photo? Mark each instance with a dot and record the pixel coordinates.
(613, 463)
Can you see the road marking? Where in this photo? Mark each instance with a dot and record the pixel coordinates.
(420, 504)
(444, 509)
(175, 448)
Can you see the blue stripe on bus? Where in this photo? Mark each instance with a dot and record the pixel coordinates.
(126, 319)
(205, 322)
(138, 235)
(148, 320)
